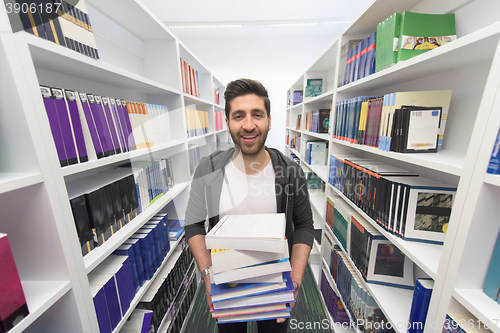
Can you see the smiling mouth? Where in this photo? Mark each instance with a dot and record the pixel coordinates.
(249, 138)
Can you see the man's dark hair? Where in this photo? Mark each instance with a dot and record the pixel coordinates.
(242, 87)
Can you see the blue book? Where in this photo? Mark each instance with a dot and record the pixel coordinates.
(360, 68)
(175, 229)
(107, 283)
(136, 246)
(494, 165)
(127, 251)
(492, 282)
(370, 55)
(226, 291)
(420, 304)
(101, 310)
(147, 253)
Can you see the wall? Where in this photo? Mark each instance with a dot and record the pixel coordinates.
(277, 63)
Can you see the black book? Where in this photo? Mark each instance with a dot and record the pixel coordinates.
(82, 223)
(125, 196)
(96, 210)
(116, 197)
(32, 21)
(133, 196)
(420, 129)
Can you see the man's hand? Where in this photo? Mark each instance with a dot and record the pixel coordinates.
(295, 293)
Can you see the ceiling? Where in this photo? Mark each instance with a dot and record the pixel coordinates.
(257, 16)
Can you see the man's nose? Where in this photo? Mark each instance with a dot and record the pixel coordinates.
(248, 124)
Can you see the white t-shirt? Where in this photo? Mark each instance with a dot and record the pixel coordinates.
(248, 194)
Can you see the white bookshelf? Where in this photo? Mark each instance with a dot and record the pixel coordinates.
(459, 266)
(139, 61)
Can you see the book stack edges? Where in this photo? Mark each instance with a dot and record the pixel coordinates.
(172, 287)
(250, 272)
(333, 302)
(397, 38)
(60, 22)
(404, 122)
(358, 301)
(190, 80)
(411, 207)
(13, 307)
(89, 127)
(196, 122)
(105, 202)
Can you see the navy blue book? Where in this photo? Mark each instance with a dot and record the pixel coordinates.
(370, 55)
(420, 304)
(494, 165)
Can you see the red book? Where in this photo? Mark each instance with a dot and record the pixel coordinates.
(13, 307)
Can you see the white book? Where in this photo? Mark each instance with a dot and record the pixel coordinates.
(257, 232)
(225, 260)
(265, 299)
(278, 266)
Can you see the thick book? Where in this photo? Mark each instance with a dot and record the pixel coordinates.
(277, 297)
(256, 232)
(101, 309)
(249, 310)
(64, 123)
(225, 260)
(101, 125)
(276, 266)
(13, 307)
(255, 317)
(89, 128)
(492, 282)
(76, 125)
(387, 42)
(314, 87)
(420, 304)
(423, 32)
(107, 283)
(227, 291)
(82, 223)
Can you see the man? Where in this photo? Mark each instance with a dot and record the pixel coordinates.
(250, 179)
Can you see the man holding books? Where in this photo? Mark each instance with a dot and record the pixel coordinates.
(250, 179)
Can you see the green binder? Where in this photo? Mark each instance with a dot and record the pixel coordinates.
(423, 32)
(387, 42)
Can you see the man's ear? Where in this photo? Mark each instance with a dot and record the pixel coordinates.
(269, 118)
(227, 126)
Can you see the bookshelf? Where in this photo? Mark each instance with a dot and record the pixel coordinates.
(139, 61)
(458, 267)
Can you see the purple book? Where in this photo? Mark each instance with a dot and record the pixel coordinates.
(92, 126)
(130, 139)
(111, 124)
(119, 124)
(123, 116)
(102, 127)
(67, 133)
(77, 125)
(50, 108)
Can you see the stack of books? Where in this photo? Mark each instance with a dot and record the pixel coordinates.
(250, 272)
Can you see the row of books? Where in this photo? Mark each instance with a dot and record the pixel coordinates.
(332, 301)
(112, 291)
(313, 181)
(13, 307)
(405, 122)
(105, 202)
(87, 126)
(58, 21)
(363, 309)
(375, 258)
(169, 283)
(403, 203)
(190, 79)
(293, 140)
(181, 306)
(250, 272)
(313, 151)
(317, 121)
(153, 179)
(196, 122)
(219, 120)
(397, 38)
(360, 59)
(194, 158)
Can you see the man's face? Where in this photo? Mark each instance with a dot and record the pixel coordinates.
(248, 123)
